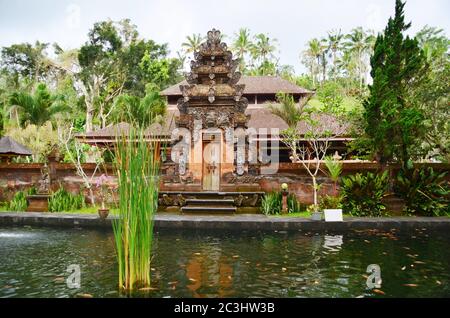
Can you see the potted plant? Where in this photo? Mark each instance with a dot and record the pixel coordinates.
(332, 204)
(316, 215)
(102, 183)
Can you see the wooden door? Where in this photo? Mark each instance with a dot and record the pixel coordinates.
(211, 166)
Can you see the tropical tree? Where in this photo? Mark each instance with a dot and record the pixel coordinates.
(313, 57)
(394, 121)
(288, 110)
(39, 107)
(242, 45)
(360, 42)
(335, 44)
(263, 48)
(192, 43)
(141, 111)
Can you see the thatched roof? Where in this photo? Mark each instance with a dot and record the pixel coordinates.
(253, 85)
(9, 146)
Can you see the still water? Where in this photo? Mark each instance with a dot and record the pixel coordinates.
(33, 263)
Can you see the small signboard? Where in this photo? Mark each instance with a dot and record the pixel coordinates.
(333, 215)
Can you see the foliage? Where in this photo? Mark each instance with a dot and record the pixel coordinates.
(331, 97)
(425, 192)
(271, 203)
(288, 110)
(61, 200)
(141, 111)
(38, 108)
(138, 178)
(41, 140)
(362, 194)
(294, 205)
(334, 168)
(330, 202)
(19, 201)
(393, 120)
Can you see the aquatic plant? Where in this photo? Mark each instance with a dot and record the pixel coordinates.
(137, 165)
(61, 200)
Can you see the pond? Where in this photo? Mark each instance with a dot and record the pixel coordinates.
(33, 263)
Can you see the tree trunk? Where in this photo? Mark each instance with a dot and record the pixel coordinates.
(315, 190)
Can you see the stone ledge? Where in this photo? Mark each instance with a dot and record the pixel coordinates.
(236, 222)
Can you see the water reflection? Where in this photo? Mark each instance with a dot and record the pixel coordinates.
(204, 264)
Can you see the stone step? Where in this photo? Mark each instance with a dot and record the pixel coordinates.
(208, 209)
(191, 202)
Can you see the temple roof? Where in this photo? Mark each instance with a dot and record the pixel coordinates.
(9, 146)
(253, 85)
(260, 117)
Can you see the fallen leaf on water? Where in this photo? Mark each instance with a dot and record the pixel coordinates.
(360, 296)
(366, 241)
(229, 277)
(378, 291)
(197, 254)
(406, 248)
(192, 280)
(284, 269)
(172, 283)
(438, 282)
(147, 288)
(412, 256)
(85, 295)
(403, 268)
(59, 280)
(365, 276)
(419, 262)
(410, 285)
(235, 256)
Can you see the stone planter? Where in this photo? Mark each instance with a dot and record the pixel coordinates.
(316, 216)
(103, 213)
(333, 215)
(37, 202)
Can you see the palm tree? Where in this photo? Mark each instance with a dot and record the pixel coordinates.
(241, 46)
(313, 56)
(263, 48)
(288, 110)
(37, 108)
(360, 43)
(192, 43)
(140, 111)
(335, 45)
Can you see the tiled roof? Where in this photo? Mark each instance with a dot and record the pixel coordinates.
(253, 85)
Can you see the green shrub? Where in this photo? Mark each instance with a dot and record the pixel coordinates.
(362, 194)
(19, 201)
(62, 200)
(425, 192)
(271, 203)
(330, 202)
(294, 205)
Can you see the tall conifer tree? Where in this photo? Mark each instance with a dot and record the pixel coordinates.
(393, 120)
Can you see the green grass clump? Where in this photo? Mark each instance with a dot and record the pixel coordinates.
(137, 168)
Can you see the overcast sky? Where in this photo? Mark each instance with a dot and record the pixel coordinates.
(292, 22)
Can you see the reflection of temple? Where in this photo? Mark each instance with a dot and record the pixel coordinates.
(209, 275)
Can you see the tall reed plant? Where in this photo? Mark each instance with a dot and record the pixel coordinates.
(137, 164)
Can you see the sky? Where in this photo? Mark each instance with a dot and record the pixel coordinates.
(292, 22)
